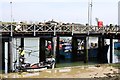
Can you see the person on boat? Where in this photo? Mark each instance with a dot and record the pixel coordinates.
(21, 55)
(48, 50)
(49, 45)
(51, 61)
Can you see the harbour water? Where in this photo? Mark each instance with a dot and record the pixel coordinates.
(31, 48)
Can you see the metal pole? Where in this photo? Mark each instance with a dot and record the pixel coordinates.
(11, 19)
(88, 13)
(91, 13)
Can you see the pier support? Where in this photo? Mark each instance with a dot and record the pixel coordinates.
(10, 55)
(57, 51)
(22, 43)
(111, 50)
(1, 55)
(42, 48)
(74, 48)
(100, 49)
(86, 49)
(43, 44)
(6, 55)
(54, 46)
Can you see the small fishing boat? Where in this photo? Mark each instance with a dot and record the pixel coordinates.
(48, 64)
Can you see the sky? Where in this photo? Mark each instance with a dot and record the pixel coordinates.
(68, 11)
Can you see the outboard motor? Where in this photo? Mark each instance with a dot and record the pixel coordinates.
(22, 65)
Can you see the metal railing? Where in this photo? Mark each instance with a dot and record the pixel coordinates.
(70, 28)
